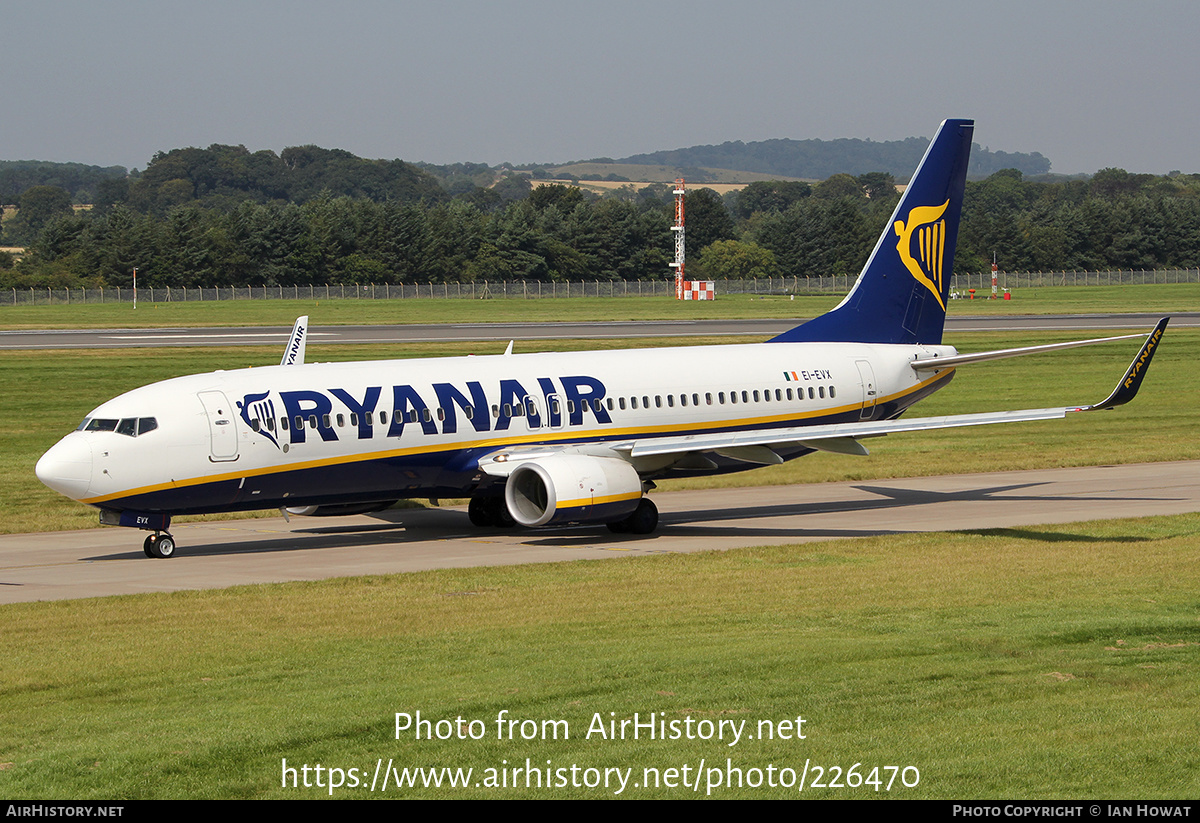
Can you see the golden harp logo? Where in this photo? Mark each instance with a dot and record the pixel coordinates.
(929, 243)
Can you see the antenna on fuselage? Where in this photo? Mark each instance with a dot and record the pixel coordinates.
(293, 355)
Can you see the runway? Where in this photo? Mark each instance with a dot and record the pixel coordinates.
(100, 562)
(489, 332)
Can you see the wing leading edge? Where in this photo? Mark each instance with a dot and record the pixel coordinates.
(759, 446)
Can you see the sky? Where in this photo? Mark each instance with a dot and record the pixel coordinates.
(1088, 84)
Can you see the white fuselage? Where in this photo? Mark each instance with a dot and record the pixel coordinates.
(329, 433)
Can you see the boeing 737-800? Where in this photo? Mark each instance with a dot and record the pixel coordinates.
(550, 438)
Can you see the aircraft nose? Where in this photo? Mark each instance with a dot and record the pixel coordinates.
(67, 467)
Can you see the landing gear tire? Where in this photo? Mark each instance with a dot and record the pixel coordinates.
(478, 512)
(489, 513)
(644, 520)
(159, 545)
(618, 526)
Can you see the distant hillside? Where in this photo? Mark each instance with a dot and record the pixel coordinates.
(646, 173)
(78, 179)
(820, 159)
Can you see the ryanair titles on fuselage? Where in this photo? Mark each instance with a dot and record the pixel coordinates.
(572, 398)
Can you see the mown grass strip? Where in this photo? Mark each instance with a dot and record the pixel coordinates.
(1053, 662)
(1165, 298)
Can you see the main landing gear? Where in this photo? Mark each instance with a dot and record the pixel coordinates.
(159, 544)
(489, 512)
(644, 520)
(492, 513)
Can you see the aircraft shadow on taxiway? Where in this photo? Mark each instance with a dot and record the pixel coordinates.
(413, 525)
(700, 523)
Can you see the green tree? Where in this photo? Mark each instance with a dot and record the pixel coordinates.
(706, 219)
(878, 185)
(736, 260)
(38, 206)
(770, 196)
(838, 186)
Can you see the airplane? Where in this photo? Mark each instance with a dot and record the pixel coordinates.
(544, 439)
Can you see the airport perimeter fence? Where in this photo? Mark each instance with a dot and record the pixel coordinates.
(534, 289)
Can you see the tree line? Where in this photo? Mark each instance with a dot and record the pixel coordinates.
(224, 216)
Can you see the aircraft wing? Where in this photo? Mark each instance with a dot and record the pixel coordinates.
(755, 446)
(838, 437)
(758, 446)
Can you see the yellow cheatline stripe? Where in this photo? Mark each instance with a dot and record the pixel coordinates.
(597, 501)
(546, 436)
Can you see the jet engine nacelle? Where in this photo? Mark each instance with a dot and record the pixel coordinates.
(572, 488)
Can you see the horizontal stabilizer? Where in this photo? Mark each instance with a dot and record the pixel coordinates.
(938, 363)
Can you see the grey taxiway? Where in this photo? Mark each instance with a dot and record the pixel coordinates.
(99, 562)
(491, 332)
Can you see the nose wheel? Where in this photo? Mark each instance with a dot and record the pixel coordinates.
(159, 544)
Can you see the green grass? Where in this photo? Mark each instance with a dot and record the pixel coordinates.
(1016, 663)
(52, 391)
(1164, 298)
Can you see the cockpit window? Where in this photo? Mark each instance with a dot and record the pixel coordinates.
(129, 426)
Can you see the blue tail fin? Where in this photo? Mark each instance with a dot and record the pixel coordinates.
(900, 297)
